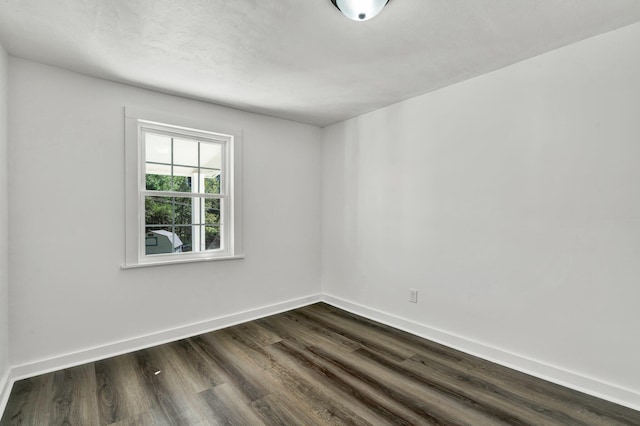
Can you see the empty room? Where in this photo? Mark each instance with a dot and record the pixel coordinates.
(319, 212)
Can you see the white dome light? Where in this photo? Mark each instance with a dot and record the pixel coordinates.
(360, 10)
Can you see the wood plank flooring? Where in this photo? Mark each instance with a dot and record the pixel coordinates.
(316, 365)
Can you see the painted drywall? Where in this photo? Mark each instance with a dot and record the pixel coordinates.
(4, 223)
(509, 201)
(68, 291)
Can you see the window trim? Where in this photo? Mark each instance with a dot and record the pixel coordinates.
(135, 121)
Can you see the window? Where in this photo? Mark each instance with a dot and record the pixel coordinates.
(186, 188)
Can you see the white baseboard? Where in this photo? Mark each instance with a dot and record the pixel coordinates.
(521, 363)
(550, 373)
(84, 356)
(153, 339)
(5, 389)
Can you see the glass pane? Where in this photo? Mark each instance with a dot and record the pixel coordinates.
(183, 178)
(184, 233)
(212, 237)
(158, 177)
(183, 209)
(158, 210)
(162, 240)
(169, 210)
(211, 211)
(210, 155)
(181, 184)
(185, 152)
(157, 148)
(211, 181)
(158, 169)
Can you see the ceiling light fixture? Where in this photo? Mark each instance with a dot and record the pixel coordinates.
(360, 10)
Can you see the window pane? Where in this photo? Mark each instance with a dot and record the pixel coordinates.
(157, 148)
(158, 177)
(185, 152)
(210, 155)
(183, 179)
(182, 210)
(158, 169)
(212, 237)
(181, 184)
(211, 211)
(168, 211)
(158, 210)
(184, 233)
(162, 240)
(211, 181)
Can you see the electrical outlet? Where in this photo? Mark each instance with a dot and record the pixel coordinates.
(413, 295)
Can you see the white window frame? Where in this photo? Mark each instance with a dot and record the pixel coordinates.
(137, 121)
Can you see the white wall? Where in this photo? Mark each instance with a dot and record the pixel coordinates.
(66, 147)
(4, 224)
(510, 201)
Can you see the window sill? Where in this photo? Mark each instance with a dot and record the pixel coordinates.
(181, 261)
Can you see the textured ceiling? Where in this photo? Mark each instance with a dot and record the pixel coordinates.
(298, 59)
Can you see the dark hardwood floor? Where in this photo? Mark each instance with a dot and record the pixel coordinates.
(316, 365)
